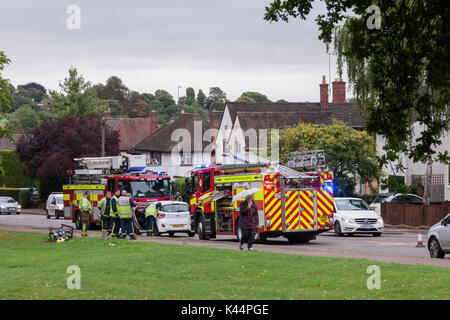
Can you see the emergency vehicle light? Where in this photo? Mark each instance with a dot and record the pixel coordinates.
(198, 166)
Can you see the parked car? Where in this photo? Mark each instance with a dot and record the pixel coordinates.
(9, 205)
(353, 215)
(173, 217)
(439, 238)
(55, 205)
(395, 198)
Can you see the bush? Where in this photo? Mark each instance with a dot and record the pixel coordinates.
(180, 187)
(14, 176)
(10, 192)
(25, 198)
(46, 187)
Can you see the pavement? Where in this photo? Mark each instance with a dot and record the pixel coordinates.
(395, 245)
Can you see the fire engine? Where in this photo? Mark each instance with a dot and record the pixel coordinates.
(125, 172)
(293, 204)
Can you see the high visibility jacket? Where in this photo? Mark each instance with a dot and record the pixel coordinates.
(114, 207)
(105, 206)
(125, 210)
(179, 198)
(151, 210)
(85, 205)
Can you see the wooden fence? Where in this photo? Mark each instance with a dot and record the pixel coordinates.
(414, 215)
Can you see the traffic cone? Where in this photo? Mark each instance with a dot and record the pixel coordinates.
(419, 241)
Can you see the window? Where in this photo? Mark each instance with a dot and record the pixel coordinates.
(237, 147)
(206, 181)
(225, 143)
(186, 158)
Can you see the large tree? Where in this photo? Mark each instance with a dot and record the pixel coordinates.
(48, 152)
(216, 99)
(27, 117)
(5, 93)
(349, 153)
(397, 55)
(77, 97)
(256, 96)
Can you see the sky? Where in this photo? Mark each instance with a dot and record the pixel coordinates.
(154, 45)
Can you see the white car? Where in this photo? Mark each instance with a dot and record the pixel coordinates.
(9, 205)
(396, 198)
(439, 238)
(353, 215)
(55, 205)
(173, 217)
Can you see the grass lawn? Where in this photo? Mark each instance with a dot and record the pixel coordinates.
(33, 268)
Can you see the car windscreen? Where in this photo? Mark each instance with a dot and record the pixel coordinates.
(59, 200)
(352, 205)
(176, 207)
(380, 199)
(7, 200)
(155, 188)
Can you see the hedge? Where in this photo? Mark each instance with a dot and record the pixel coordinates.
(179, 185)
(14, 176)
(10, 192)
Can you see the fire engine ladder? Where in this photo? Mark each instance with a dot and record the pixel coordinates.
(252, 159)
(302, 160)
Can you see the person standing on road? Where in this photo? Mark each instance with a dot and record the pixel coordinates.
(178, 197)
(114, 214)
(151, 211)
(249, 216)
(85, 210)
(105, 209)
(125, 210)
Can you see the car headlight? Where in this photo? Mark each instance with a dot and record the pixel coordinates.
(19, 207)
(380, 220)
(2, 207)
(348, 220)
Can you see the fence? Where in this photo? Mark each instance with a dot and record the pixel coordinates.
(414, 215)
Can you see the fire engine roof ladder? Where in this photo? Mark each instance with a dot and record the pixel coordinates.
(312, 159)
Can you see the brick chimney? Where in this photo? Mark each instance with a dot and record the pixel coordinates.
(154, 121)
(324, 93)
(339, 91)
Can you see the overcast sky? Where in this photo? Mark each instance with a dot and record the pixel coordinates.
(154, 45)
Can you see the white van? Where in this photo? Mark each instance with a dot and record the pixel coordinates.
(55, 205)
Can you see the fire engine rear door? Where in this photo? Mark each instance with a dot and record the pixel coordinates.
(291, 210)
(308, 209)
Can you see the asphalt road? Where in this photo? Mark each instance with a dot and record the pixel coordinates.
(395, 245)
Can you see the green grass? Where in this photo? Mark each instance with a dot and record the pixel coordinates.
(33, 268)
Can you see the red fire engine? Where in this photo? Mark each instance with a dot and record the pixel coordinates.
(293, 204)
(125, 172)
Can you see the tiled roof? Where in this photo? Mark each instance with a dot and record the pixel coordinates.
(131, 130)
(6, 144)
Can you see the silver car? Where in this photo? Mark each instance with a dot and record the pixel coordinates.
(9, 205)
(439, 238)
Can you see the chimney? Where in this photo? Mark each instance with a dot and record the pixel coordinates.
(324, 93)
(107, 113)
(154, 121)
(339, 91)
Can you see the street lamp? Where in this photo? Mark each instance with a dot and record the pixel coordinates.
(178, 99)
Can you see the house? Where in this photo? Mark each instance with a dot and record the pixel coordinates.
(243, 125)
(6, 144)
(179, 145)
(415, 172)
(132, 130)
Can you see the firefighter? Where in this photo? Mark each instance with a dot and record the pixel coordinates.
(114, 214)
(85, 210)
(105, 211)
(178, 197)
(125, 210)
(151, 211)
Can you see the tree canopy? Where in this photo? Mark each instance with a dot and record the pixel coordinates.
(349, 153)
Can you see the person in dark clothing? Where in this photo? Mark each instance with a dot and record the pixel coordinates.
(249, 221)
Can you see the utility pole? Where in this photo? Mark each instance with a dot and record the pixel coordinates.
(178, 99)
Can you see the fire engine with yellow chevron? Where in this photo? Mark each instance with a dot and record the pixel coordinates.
(296, 204)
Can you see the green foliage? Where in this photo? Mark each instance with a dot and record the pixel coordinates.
(190, 96)
(180, 186)
(245, 99)
(25, 198)
(10, 192)
(14, 126)
(14, 176)
(216, 99)
(115, 107)
(201, 98)
(256, 96)
(46, 187)
(349, 153)
(27, 117)
(77, 97)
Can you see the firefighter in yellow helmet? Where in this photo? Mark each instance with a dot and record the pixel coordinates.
(85, 210)
(125, 210)
(151, 212)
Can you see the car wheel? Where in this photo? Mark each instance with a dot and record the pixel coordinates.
(378, 234)
(46, 212)
(171, 234)
(191, 234)
(17, 212)
(156, 232)
(337, 229)
(56, 216)
(435, 249)
(78, 221)
(201, 229)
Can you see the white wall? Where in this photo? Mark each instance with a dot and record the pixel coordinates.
(224, 132)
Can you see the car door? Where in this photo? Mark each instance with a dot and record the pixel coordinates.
(444, 234)
(52, 208)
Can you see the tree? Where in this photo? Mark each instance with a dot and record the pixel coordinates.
(397, 68)
(216, 99)
(201, 98)
(256, 96)
(48, 152)
(27, 118)
(138, 109)
(349, 153)
(5, 96)
(114, 107)
(77, 97)
(190, 96)
(115, 89)
(245, 99)
(14, 126)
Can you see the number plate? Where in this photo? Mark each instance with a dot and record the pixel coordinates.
(178, 226)
(324, 219)
(369, 226)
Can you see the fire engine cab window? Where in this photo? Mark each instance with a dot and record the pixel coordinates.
(148, 188)
(206, 181)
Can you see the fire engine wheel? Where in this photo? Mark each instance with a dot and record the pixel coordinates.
(297, 239)
(78, 221)
(201, 229)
